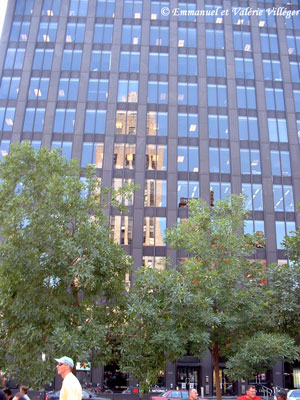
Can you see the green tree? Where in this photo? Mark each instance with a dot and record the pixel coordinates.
(62, 276)
(224, 302)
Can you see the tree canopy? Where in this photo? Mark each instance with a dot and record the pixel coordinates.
(62, 276)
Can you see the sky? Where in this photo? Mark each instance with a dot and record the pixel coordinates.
(3, 4)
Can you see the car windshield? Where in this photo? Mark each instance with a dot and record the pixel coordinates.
(295, 393)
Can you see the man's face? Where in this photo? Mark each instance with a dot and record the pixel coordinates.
(251, 393)
(62, 369)
(193, 394)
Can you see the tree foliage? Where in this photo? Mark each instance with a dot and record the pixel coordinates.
(62, 276)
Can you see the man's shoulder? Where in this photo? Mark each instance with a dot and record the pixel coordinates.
(243, 397)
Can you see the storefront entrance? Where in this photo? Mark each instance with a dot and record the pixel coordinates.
(228, 387)
(188, 378)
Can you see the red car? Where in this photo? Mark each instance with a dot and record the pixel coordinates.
(173, 395)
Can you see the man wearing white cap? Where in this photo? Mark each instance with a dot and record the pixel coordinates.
(71, 388)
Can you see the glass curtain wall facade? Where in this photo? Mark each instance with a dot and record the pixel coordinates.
(180, 97)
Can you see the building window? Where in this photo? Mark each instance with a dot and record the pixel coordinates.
(105, 8)
(293, 44)
(158, 92)
(71, 60)
(156, 157)
(187, 190)
(154, 231)
(188, 158)
(293, 21)
(34, 120)
(98, 90)
(126, 122)
(124, 156)
(187, 37)
(159, 36)
(95, 121)
(214, 39)
(216, 66)
(269, 43)
(275, 99)
(213, 14)
(4, 148)
(131, 34)
(7, 116)
(64, 147)
(283, 198)
(92, 153)
(266, 19)
(100, 61)
(298, 130)
(272, 70)
(280, 163)
(129, 61)
(19, 31)
(218, 126)
(158, 63)
(220, 190)
(128, 91)
(188, 125)
(14, 58)
(188, 94)
(156, 7)
(132, 9)
(219, 160)
(64, 121)
(187, 12)
(248, 128)
(75, 33)
(157, 123)
(9, 88)
(217, 95)
(103, 33)
(78, 8)
(244, 68)
(38, 89)
(51, 7)
(47, 32)
(155, 193)
(43, 59)
(297, 100)
(119, 183)
(253, 193)
(122, 227)
(68, 89)
(24, 7)
(154, 262)
(242, 41)
(295, 71)
(240, 16)
(277, 130)
(187, 64)
(250, 162)
(246, 97)
(252, 226)
(283, 229)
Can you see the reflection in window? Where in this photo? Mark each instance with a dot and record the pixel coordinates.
(64, 121)
(213, 14)
(159, 36)
(34, 120)
(266, 19)
(240, 16)
(7, 116)
(219, 160)
(122, 227)
(272, 70)
(217, 95)
(38, 88)
(275, 99)
(47, 32)
(71, 60)
(9, 88)
(156, 157)
(78, 8)
(214, 39)
(126, 122)
(283, 229)
(128, 91)
(129, 61)
(43, 59)
(244, 68)
(293, 44)
(251, 226)
(132, 9)
(187, 190)
(103, 33)
(51, 7)
(24, 7)
(95, 121)
(119, 183)
(187, 37)
(156, 7)
(19, 31)
(246, 97)
(158, 63)
(155, 193)
(188, 94)
(92, 153)
(14, 58)
(157, 123)
(250, 162)
(187, 125)
(280, 163)
(220, 190)
(248, 128)
(158, 92)
(242, 41)
(124, 156)
(283, 198)
(277, 130)
(100, 60)
(65, 149)
(98, 90)
(253, 193)
(131, 34)
(154, 231)
(218, 126)
(75, 33)
(4, 148)
(105, 8)
(154, 262)
(188, 158)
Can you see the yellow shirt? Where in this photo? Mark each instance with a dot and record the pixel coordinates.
(71, 388)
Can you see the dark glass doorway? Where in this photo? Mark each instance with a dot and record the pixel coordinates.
(188, 378)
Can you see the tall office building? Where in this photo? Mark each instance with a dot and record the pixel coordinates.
(180, 97)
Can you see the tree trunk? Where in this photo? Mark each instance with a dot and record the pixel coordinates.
(215, 352)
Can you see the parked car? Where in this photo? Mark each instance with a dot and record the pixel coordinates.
(293, 394)
(86, 395)
(173, 395)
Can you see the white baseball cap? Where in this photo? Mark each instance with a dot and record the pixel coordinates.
(65, 360)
